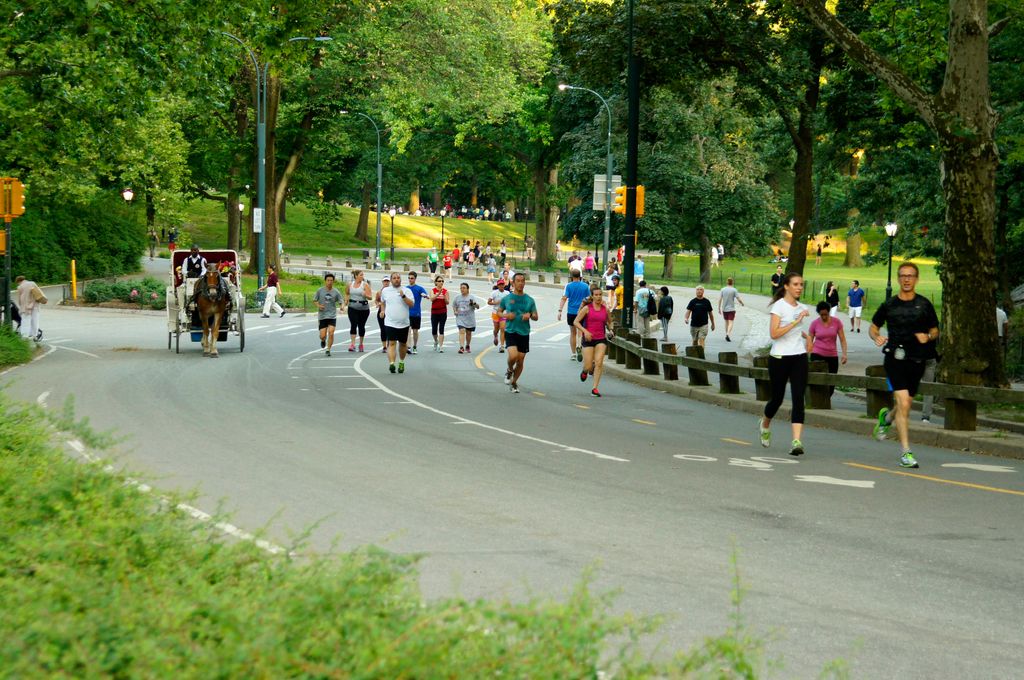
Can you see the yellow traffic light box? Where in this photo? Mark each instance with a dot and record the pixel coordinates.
(619, 202)
(12, 198)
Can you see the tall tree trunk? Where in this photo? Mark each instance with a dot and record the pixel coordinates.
(473, 197)
(962, 117)
(282, 210)
(543, 178)
(150, 211)
(803, 167)
(705, 256)
(670, 263)
(438, 201)
(853, 243)
(362, 226)
(234, 216)
(414, 200)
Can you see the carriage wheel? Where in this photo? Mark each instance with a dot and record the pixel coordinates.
(241, 331)
(169, 334)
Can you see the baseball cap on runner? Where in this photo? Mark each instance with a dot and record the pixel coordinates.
(501, 282)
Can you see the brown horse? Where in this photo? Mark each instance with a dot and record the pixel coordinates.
(212, 301)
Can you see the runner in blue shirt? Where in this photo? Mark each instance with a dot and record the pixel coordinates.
(575, 293)
(638, 267)
(415, 316)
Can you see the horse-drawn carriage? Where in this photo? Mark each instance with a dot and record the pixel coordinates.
(209, 308)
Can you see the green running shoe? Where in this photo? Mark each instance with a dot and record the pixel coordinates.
(797, 449)
(401, 367)
(907, 460)
(765, 434)
(881, 428)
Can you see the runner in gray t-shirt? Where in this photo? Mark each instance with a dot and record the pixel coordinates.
(727, 299)
(465, 306)
(327, 299)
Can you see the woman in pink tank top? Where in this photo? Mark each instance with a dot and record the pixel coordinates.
(594, 321)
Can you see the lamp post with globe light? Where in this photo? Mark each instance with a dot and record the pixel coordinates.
(890, 230)
(380, 175)
(261, 74)
(392, 212)
(443, 213)
(608, 176)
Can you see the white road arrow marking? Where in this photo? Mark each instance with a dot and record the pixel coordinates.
(821, 479)
(41, 399)
(980, 467)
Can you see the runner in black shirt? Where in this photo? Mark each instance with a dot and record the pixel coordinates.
(913, 329)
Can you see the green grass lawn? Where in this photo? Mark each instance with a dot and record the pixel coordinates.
(301, 236)
(753, 275)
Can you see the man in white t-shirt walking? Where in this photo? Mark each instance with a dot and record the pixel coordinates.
(395, 301)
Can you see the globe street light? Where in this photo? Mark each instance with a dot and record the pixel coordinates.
(526, 229)
(261, 146)
(608, 176)
(380, 171)
(890, 230)
(392, 213)
(443, 213)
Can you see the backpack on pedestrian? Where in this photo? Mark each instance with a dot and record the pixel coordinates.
(652, 304)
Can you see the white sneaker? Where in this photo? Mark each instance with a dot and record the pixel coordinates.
(764, 433)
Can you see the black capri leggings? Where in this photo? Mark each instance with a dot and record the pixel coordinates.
(437, 324)
(833, 367)
(792, 369)
(357, 319)
(380, 322)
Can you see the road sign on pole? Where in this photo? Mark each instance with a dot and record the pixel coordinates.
(257, 220)
(601, 189)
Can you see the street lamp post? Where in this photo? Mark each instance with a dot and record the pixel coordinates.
(608, 176)
(380, 175)
(526, 229)
(443, 213)
(890, 229)
(261, 146)
(392, 213)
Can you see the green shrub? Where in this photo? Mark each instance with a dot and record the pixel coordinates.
(98, 579)
(14, 349)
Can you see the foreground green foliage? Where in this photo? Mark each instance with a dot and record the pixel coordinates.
(14, 349)
(98, 578)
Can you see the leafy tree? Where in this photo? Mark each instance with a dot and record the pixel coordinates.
(961, 116)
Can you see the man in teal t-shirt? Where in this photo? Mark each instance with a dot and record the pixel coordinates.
(518, 309)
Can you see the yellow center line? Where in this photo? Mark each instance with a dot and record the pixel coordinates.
(539, 394)
(736, 441)
(644, 422)
(479, 360)
(585, 408)
(929, 478)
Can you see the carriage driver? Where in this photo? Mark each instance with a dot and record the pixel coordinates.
(194, 265)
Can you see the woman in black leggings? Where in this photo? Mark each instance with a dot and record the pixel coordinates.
(357, 300)
(439, 301)
(787, 359)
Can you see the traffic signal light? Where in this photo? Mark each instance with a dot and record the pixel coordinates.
(12, 197)
(639, 200)
(17, 206)
(619, 204)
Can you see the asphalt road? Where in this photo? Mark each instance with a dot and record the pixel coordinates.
(909, 574)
